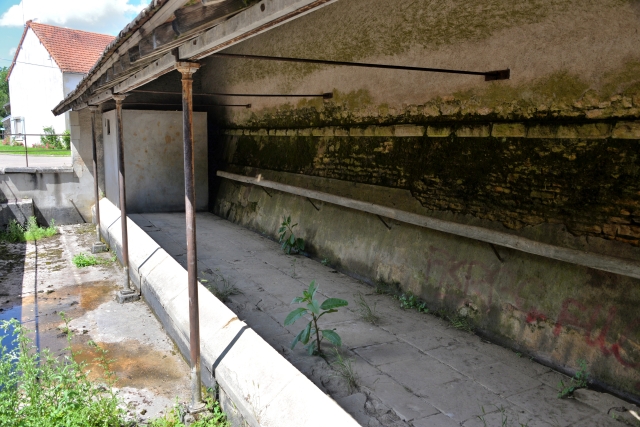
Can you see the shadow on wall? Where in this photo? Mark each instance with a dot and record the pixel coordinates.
(56, 196)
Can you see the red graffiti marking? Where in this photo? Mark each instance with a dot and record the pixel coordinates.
(567, 318)
(460, 279)
(535, 316)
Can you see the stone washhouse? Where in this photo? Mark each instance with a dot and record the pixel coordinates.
(509, 196)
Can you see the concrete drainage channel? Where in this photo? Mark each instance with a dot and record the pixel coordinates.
(257, 385)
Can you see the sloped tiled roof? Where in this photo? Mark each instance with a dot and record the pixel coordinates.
(73, 50)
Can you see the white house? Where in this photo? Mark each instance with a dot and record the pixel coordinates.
(49, 63)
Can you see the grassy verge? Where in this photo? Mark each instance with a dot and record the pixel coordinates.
(38, 389)
(8, 149)
(16, 232)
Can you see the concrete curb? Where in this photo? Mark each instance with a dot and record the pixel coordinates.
(260, 384)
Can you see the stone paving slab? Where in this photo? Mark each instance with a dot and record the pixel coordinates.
(412, 369)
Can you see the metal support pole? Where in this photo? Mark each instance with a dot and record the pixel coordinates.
(187, 69)
(98, 246)
(26, 156)
(126, 294)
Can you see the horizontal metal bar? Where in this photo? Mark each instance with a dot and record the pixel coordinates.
(489, 75)
(327, 95)
(621, 266)
(35, 134)
(200, 105)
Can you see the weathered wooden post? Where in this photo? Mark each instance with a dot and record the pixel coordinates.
(188, 69)
(126, 294)
(98, 246)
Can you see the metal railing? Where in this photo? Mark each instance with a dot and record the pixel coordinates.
(18, 145)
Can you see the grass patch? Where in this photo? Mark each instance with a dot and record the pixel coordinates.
(366, 312)
(16, 232)
(83, 260)
(219, 285)
(344, 370)
(8, 149)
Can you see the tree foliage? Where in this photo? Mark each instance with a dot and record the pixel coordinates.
(4, 90)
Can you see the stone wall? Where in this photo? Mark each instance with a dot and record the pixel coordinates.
(551, 154)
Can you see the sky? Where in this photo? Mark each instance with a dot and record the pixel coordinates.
(98, 16)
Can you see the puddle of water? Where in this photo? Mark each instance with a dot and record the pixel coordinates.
(8, 336)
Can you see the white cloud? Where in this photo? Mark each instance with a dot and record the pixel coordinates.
(92, 15)
(12, 52)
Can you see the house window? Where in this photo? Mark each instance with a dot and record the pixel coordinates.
(17, 128)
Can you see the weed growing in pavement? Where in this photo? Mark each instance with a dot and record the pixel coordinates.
(367, 313)
(16, 232)
(344, 370)
(579, 380)
(41, 390)
(384, 288)
(219, 286)
(460, 322)
(290, 243)
(83, 260)
(316, 310)
(213, 418)
(325, 261)
(409, 301)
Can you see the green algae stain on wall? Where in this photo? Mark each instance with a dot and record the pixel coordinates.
(356, 29)
(556, 96)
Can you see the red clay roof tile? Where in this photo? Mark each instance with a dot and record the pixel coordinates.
(73, 50)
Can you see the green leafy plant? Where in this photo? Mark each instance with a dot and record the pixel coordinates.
(579, 380)
(367, 313)
(409, 301)
(84, 260)
(30, 232)
(325, 261)
(65, 140)
(316, 310)
(344, 369)
(287, 237)
(50, 139)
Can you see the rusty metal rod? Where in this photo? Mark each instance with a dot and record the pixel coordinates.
(35, 134)
(26, 156)
(199, 105)
(126, 287)
(489, 75)
(187, 69)
(327, 95)
(96, 192)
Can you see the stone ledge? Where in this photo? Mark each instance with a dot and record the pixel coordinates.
(598, 130)
(53, 169)
(264, 387)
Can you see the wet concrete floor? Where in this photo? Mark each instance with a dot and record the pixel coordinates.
(38, 282)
